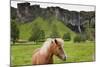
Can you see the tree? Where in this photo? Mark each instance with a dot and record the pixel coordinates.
(67, 37)
(37, 33)
(80, 38)
(89, 31)
(14, 31)
(41, 35)
(54, 33)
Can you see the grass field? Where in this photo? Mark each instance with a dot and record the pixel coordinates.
(21, 54)
(26, 28)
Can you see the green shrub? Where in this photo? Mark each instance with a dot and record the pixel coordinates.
(41, 36)
(14, 31)
(80, 38)
(54, 32)
(67, 37)
(37, 34)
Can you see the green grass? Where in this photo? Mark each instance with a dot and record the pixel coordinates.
(26, 28)
(76, 52)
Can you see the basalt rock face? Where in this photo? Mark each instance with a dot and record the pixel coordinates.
(13, 13)
(73, 19)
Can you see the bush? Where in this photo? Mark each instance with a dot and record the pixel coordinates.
(67, 37)
(37, 34)
(54, 32)
(90, 34)
(54, 35)
(14, 31)
(41, 36)
(80, 38)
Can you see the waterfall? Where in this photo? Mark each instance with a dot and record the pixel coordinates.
(79, 28)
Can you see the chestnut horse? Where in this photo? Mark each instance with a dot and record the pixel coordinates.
(44, 55)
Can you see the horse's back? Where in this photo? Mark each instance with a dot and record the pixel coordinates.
(35, 56)
(38, 58)
(36, 50)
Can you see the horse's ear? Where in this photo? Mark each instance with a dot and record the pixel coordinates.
(56, 41)
(51, 41)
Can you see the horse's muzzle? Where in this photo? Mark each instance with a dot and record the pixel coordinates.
(64, 59)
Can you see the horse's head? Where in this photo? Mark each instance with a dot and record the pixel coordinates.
(58, 48)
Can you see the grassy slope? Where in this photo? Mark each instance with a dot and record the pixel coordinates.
(26, 28)
(76, 52)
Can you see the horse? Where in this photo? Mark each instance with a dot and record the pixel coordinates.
(51, 47)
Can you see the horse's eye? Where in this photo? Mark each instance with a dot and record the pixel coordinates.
(59, 47)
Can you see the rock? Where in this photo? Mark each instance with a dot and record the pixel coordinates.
(75, 20)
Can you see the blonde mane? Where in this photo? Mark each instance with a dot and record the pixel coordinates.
(50, 47)
(48, 42)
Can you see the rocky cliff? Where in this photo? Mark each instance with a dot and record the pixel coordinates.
(73, 19)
